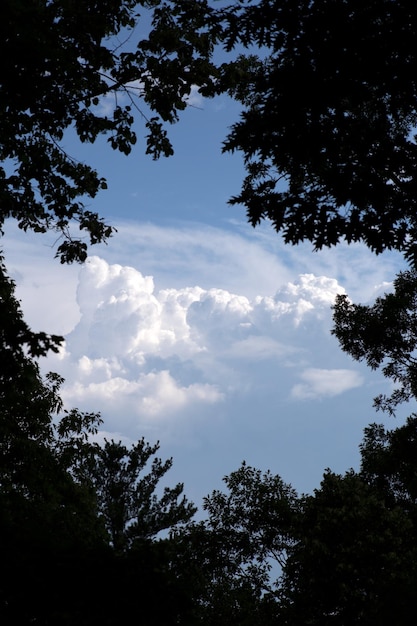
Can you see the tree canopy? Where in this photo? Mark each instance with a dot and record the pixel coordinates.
(345, 554)
(60, 59)
(384, 335)
(328, 127)
(329, 108)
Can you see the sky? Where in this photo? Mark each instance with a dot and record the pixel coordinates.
(192, 328)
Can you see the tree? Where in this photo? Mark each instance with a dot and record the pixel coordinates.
(60, 59)
(344, 555)
(127, 502)
(230, 561)
(354, 561)
(70, 534)
(27, 401)
(385, 336)
(328, 127)
(388, 462)
(255, 517)
(79, 522)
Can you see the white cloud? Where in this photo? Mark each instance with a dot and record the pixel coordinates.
(243, 261)
(318, 383)
(195, 98)
(207, 339)
(309, 295)
(150, 396)
(258, 348)
(153, 353)
(108, 103)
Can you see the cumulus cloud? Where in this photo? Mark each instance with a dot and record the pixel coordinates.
(151, 395)
(155, 353)
(188, 322)
(318, 383)
(209, 340)
(311, 295)
(239, 260)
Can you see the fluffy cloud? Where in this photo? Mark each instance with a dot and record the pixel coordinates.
(239, 260)
(150, 395)
(211, 341)
(152, 354)
(318, 383)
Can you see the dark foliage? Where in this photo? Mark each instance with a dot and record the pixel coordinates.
(385, 336)
(345, 555)
(354, 561)
(59, 60)
(328, 130)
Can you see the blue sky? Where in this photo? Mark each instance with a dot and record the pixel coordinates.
(194, 329)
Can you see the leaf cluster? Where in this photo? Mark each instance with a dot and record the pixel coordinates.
(127, 501)
(352, 562)
(63, 63)
(328, 126)
(385, 336)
